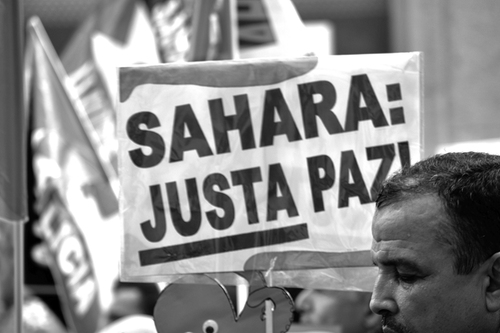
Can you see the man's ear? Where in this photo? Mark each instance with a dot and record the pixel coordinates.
(493, 287)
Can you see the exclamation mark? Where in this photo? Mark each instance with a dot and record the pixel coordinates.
(394, 94)
(404, 153)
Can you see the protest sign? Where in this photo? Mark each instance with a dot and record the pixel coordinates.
(268, 164)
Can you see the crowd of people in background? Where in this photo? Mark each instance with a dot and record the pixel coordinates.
(337, 311)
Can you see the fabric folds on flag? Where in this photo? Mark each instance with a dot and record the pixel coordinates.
(77, 207)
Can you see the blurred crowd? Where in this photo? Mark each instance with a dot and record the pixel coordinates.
(336, 311)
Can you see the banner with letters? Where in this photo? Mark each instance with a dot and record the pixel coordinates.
(264, 164)
(115, 32)
(73, 197)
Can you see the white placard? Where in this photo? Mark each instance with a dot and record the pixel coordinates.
(225, 163)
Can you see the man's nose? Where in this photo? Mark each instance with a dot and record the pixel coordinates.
(383, 301)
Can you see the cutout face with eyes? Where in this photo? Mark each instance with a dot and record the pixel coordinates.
(206, 307)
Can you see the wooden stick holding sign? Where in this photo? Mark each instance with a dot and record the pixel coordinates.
(269, 316)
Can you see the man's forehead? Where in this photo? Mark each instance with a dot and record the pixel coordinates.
(413, 219)
(407, 233)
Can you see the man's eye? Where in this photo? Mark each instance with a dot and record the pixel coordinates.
(406, 278)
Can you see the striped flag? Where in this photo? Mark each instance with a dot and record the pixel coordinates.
(72, 189)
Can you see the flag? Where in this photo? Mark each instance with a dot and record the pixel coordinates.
(116, 32)
(270, 28)
(74, 198)
(194, 30)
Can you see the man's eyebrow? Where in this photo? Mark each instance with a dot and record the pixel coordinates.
(399, 262)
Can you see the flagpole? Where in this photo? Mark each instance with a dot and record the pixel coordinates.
(18, 19)
(18, 274)
(12, 13)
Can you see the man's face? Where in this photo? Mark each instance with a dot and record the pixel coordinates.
(417, 289)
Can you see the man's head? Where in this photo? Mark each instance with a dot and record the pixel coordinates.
(436, 242)
(133, 298)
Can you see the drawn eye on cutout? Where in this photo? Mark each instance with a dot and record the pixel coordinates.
(210, 326)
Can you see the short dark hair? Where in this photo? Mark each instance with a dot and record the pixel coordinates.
(149, 292)
(468, 185)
